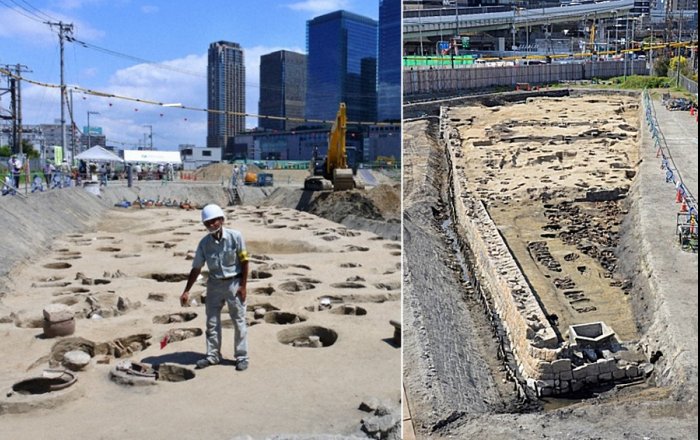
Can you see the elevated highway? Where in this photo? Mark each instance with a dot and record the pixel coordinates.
(422, 27)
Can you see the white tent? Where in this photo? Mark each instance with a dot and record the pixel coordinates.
(152, 156)
(98, 154)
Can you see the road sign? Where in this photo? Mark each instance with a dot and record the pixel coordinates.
(465, 42)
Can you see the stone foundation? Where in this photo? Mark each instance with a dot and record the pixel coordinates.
(546, 364)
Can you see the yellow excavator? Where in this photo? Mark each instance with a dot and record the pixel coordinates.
(332, 171)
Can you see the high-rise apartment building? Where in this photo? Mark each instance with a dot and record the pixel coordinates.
(389, 64)
(226, 93)
(342, 66)
(282, 89)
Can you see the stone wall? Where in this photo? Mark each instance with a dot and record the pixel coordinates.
(547, 365)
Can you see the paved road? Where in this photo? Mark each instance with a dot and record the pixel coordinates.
(681, 133)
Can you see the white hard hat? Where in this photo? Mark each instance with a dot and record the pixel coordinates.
(211, 212)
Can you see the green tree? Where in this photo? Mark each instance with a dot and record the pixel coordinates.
(675, 62)
(29, 150)
(661, 66)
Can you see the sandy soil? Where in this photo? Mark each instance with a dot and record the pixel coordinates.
(113, 272)
(534, 163)
(521, 163)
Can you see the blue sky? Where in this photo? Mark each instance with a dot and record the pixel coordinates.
(161, 55)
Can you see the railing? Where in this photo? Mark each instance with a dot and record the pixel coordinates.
(688, 84)
(687, 218)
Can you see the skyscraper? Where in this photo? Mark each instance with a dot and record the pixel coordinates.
(389, 73)
(282, 89)
(342, 66)
(226, 93)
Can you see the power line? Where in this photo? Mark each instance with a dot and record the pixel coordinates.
(185, 107)
(31, 17)
(32, 12)
(47, 16)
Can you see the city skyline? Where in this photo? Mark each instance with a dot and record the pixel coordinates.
(131, 60)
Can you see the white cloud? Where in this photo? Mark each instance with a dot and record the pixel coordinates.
(20, 28)
(126, 120)
(318, 6)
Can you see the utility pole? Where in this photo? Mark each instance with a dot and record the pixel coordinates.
(64, 32)
(15, 90)
(678, 61)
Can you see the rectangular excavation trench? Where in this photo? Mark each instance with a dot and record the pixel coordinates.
(531, 254)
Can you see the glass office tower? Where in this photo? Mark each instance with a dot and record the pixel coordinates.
(225, 93)
(282, 89)
(342, 66)
(389, 73)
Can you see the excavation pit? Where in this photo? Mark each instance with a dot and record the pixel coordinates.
(167, 277)
(174, 317)
(308, 337)
(168, 372)
(296, 286)
(283, 318)
(349, 309)
(58, 265)
(259, 274)
(53, 380)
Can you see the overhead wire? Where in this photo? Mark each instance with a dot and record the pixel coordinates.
(38, 11)
(14, 9)
(185, 107)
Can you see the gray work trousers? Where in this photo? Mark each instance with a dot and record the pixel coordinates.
(218, 293)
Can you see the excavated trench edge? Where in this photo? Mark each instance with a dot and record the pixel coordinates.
(471, 277)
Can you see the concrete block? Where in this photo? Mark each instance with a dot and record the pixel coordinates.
(605, 377)
(592, 379)
(577, 385)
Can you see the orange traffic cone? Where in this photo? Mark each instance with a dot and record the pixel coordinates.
(679, 196)
(684, 207)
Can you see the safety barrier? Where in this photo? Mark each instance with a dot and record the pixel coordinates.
(687, 217)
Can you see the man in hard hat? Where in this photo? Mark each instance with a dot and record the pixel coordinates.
(224, 252)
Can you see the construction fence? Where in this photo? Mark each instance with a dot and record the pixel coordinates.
(441, 81)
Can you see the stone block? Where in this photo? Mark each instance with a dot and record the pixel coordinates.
(566, 375)
(561, 365)
(619, 373)
(577, 385)
(57, 313)
(605, 377)
(580, 372)
(546, 391)
(605, 365)
(592, 379)
(632, 371)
